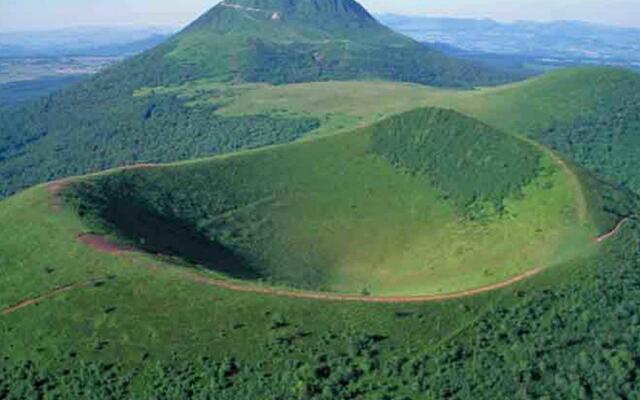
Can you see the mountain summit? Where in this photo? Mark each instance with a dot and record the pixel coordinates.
(288, 41)
(100, 123)
(325, 14)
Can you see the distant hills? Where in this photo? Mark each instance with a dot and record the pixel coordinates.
(35, 64)
(555, 43)
(81, 41)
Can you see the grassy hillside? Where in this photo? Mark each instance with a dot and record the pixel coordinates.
(140, 326)
(587, 114)
(592, 115)
(97, 124)
(306, 40)
(371, 210)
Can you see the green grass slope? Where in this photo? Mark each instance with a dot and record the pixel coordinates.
(99, 124)
(425, 202)
(139, 326)
(308, 40)
(590, 115)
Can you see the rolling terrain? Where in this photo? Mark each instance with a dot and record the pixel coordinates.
(139, 322)
(588, 114)
(367, 237)
(99, 124)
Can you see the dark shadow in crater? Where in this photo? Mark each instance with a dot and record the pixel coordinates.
(170, 236)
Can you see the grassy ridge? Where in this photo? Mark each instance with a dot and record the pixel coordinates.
(332, 214)
(588, 114)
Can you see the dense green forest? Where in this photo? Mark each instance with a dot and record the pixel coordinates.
(605, 140)
(17, 92)
(591, 115)
(467, 161)
(97, 125)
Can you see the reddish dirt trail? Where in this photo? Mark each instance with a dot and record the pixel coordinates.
(35, 300)
(358, 298)
(101, 244)
(611, 233)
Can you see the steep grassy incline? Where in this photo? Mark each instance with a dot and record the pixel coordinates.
(363, 211)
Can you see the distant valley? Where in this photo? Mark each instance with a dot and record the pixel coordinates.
(526, 44)
(34, 64)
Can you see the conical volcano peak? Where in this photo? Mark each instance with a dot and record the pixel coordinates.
(276, 9)
(315, 14)
(291, 41)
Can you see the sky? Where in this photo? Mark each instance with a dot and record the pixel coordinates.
(53, 14)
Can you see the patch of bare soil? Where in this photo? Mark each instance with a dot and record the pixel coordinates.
(103, 245)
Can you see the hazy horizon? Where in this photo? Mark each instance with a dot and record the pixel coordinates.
(41, 15)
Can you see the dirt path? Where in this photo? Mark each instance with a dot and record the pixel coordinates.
(611, 233)
(52, 293)
(56, 187)
(373, 299)
(101, 244)
(358, 298)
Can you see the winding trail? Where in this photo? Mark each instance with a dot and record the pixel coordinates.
(51, 293)
(613, 232)
(326, 296)
(101, 244)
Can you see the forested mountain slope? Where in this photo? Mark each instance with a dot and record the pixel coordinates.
(99, 124)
